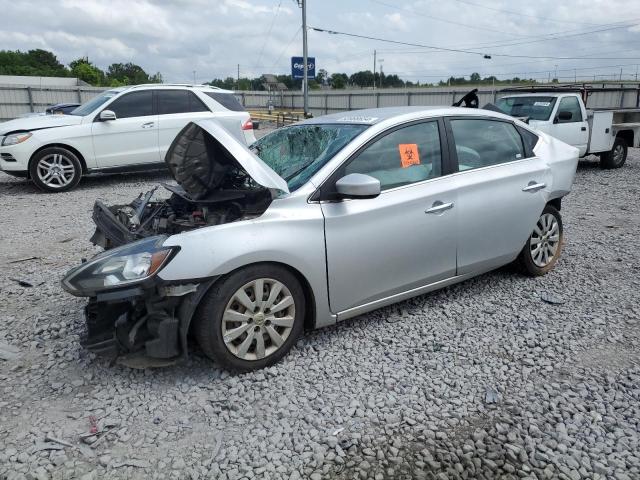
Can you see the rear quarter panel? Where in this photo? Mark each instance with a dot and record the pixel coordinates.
(563, 162)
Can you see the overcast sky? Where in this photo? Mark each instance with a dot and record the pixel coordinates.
(213, 36)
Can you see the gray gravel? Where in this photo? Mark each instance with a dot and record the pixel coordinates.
(486, 379)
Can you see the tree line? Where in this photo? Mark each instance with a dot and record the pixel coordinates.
(42, 63)
(361, 79)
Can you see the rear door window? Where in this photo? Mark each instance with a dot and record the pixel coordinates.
(227, 100)
(482, 143)
(178, 101)
(134, 104)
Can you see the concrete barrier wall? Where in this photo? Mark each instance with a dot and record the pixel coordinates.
(17, 100)
(329, 101)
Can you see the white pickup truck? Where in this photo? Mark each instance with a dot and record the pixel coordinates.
(604, 132)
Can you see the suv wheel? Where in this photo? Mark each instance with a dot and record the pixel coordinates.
(55, 169)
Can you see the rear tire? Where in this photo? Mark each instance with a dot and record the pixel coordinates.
(616, 157)
(542, 250)
(55, 169)
(242, 324)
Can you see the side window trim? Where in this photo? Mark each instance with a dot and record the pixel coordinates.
(452, 145)
(326, 191)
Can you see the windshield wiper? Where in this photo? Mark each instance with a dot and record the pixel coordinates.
(297, 171)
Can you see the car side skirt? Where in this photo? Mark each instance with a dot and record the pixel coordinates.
(414, 292)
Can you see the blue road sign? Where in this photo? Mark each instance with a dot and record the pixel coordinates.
(297, 67)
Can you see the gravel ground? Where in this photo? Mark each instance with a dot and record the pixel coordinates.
(501, 376)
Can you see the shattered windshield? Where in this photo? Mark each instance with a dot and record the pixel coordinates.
(296, 153)
(534, 107)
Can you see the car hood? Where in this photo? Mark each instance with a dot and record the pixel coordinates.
(204, 153)
(38, 122)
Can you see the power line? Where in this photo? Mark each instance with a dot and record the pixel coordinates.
(457, 50)
(269, 32)
(552, 35)
(520, 14)
(295, 35)
(414, 12)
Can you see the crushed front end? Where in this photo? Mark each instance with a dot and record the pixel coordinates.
(131, 311)
(149, 322)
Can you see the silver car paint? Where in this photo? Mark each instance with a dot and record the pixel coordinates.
(292, 230)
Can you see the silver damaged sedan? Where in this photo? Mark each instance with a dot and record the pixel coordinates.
(316, 223)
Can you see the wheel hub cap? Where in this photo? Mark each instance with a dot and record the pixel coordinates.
(545, 240)
(258, 319)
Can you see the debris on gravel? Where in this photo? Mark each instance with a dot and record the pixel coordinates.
(501, 376)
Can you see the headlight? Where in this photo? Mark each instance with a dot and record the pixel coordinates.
(15, 138)
(126, 265)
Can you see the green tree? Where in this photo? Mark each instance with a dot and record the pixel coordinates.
(475, 77)
(339, 80)
(127, 74)
(83, 69)
(363, 78)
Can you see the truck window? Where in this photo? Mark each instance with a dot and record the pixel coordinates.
(534, 107)
(570, 104)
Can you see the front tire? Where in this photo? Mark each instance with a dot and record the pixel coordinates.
(542, 250)
(55, 169)
(616, 157)
(251, 319)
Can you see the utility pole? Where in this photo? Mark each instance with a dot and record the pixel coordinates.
(305, 74)
(238, 77)
(194, 77)
(374, 69)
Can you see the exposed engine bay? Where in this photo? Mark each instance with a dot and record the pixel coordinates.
(146, 216)
(214, 187)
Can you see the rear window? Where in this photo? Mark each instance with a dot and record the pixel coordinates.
(227, 100)
(530, 140)
(178, 101)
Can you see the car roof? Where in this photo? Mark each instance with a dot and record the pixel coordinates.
(186, 86)
(536, 94)
(372, 116)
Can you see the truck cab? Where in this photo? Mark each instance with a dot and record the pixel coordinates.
(605, 132)
(562, 116)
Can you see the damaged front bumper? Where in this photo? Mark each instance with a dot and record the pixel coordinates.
(149, 322)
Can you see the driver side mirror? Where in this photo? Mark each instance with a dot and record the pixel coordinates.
(563, 116)
(358, 185)
(107, 115)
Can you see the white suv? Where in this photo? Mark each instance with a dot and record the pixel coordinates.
(123, 129)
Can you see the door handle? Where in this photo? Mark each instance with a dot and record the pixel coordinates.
(584, 129)
(534, 187)
(147, 125)
(439, 207)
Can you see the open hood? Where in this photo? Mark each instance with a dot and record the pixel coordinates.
(38, 122)
(204, 154)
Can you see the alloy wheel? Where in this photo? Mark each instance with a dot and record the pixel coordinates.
(55, 170)
(258, 319)
(545, 240)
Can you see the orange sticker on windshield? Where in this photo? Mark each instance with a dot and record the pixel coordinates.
(409, 154)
